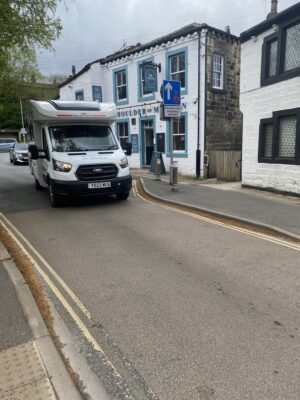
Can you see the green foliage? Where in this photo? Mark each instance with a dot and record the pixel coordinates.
(22, 80)
(28, 23)
(24, 26)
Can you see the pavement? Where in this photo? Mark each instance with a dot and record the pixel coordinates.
(276, 212)
(30, 365)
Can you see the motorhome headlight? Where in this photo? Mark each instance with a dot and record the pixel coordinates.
(123, 162)
(62, 166)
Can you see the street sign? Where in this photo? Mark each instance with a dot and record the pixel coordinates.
(171, 92)
(172, 111)
(150, 77)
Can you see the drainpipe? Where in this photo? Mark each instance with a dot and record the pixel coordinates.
(201, 101)
(198, 153)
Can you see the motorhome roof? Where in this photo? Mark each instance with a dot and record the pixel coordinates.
(76, 105)
(73, 111)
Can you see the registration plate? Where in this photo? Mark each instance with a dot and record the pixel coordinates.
(98, 185)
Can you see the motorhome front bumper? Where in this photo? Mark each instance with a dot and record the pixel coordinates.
(87, 189)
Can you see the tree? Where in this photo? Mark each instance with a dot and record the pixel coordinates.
(21, 80)
(26, 24)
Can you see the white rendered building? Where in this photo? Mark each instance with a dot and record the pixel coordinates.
(270, 102)
(206, 62)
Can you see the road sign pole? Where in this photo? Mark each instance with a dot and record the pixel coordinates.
(171, 152)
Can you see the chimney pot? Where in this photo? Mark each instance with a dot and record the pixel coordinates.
(273, 11)
(73, 70)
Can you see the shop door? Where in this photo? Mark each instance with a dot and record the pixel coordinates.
(148, 141)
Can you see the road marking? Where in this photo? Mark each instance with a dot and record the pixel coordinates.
(246, 231)
(50, 269)
(58, 293)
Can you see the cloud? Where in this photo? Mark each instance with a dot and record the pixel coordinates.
(96, 28)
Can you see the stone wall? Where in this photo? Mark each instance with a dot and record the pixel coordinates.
(223, 116)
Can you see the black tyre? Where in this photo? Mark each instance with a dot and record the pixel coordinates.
(122, 196)
(15, 161)
(37, 185)
(54, 199)
(10, 159)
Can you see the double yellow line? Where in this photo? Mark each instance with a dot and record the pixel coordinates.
(10, 228)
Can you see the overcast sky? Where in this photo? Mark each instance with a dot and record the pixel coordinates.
(95, 28)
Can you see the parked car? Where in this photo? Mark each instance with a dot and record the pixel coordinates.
(19, 153)
(6, 144)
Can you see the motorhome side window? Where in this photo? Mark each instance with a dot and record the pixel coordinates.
(68, 138)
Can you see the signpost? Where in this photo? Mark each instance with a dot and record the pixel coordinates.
(172, 110)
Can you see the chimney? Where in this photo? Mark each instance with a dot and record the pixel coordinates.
(273, 11)
(73, 70)
(227, 29)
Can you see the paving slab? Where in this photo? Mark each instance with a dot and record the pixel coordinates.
(22, 374)
(14, 329)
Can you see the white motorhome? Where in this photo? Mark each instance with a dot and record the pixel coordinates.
(75, 152)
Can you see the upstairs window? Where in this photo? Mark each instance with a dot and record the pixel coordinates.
(218, 72)
(177, 68)
(292, 48)
(272, 58)
(121, 85)
(281, 54)
(79, 95)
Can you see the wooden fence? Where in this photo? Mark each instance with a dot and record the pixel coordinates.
(225, 165)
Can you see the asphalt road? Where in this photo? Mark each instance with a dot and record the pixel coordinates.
(198, 311)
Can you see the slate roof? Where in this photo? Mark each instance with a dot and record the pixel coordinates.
(184, 31)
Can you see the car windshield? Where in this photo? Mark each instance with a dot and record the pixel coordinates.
(7, 140)
(82, 138)
(21, 146)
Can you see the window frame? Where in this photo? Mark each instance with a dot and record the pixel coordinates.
(79, 92)
(118, 123)
(215, 88)
(173, 53)
(115, 72)
(178, 153)
(280, 74)
(275, 120)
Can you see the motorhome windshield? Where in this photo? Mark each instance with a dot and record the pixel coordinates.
(67, 138)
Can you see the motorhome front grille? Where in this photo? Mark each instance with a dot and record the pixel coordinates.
(97, 172)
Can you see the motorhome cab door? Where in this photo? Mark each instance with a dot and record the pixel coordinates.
(44, 162)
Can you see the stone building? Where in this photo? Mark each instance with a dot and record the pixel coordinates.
(205, 60)
(270, 102)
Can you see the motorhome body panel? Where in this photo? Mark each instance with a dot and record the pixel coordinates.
(80, 154)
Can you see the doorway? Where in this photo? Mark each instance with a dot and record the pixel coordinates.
(148, 139)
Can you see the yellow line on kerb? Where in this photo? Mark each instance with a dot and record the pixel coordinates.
(246, 231)
(50, 269)
(57, 292)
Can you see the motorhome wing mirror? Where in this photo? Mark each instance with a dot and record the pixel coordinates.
(127, 149)
(33, 152)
